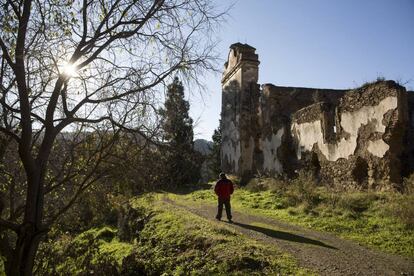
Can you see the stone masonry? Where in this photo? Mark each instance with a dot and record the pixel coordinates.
(352, 138)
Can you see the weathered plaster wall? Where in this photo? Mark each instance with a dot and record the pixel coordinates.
(230, 148)
(239, 110)
(309, 134)
(370, 127)
(277, 104)
(249, 131)
(270, 146)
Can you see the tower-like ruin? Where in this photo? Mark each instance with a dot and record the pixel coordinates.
(239, 108)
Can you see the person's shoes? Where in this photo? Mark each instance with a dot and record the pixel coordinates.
(219, 219)
(230, 221)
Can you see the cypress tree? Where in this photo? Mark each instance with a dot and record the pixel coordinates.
(181, 160)
(214, 157)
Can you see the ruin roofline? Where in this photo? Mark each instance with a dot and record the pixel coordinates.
(271, 85)
(241, 45)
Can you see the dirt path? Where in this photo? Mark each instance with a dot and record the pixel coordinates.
(322, 252)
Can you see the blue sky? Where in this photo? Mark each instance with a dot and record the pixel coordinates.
(314, 43)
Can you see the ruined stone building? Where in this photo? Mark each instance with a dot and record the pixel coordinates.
(360, 137)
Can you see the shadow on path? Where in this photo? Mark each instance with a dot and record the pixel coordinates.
(282, 235)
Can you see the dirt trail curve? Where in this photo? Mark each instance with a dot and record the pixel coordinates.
(322, 252)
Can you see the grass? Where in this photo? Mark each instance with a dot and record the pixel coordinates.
(172, 242)
(377, 220)
(97, 250)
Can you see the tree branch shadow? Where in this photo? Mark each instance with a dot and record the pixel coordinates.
(283, 235)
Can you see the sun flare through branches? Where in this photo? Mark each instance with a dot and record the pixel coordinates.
(69, 70)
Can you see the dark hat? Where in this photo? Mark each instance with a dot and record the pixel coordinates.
(222, 174)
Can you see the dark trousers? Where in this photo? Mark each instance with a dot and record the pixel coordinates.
(226, 203)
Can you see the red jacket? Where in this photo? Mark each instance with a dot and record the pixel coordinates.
(224, 188)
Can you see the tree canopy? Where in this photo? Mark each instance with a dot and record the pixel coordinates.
(77, 71)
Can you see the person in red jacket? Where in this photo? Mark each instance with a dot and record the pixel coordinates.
(223, 189)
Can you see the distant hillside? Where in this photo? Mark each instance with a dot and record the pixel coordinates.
(203, 146)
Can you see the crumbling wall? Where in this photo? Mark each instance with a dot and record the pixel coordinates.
(277, 104)
(230, 144)
(369, 133)
(358, 138)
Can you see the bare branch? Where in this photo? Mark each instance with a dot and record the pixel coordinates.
(6, 54)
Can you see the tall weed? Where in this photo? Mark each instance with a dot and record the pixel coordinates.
(403, 210)
(260, 184)
(409, 185)
(356, 202)
(303, 189)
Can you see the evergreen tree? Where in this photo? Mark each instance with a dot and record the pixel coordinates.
(214, 157)
(181, 163)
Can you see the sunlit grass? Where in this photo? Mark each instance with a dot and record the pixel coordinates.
(172, 242)
(367, 218)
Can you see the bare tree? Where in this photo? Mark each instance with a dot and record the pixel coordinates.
(83, 70)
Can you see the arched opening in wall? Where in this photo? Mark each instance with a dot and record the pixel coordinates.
(360, 172)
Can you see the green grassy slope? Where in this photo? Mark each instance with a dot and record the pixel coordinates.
(368, 218)
(172, 241)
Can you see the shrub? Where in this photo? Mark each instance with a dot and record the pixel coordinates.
(95, 251)
(255, 185)
(409, 185)
(404, 211)
(93, 209)
(131, 221)
(276, 185)
(260, 184)
(289, 200)
(303, 189)
(357, 202)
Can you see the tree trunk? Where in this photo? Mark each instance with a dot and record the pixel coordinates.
(30, 231)
(24, 252)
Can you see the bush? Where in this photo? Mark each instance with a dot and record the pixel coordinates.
(303, 189)
(404, 211)
(276, 185)
(409, 185)
(256, 185)
(131, 221)
(259, 184)
(93, 209)
(96, 251)
(289, 200)
(357, 202)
